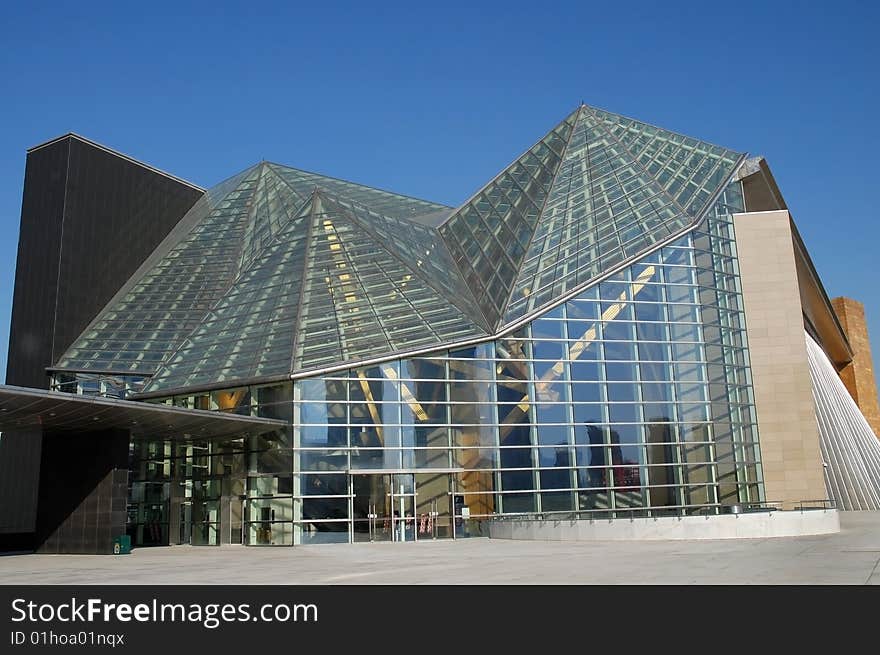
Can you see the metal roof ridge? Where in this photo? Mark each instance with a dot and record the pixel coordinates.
(507, 167)
(365, 186)
(116, 153)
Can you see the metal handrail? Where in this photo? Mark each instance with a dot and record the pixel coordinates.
(571, 515)
(823, 504)
(763, 505)
(654, 512)
(800, 505)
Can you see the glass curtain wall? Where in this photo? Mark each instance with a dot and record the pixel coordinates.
(631, 399)
(97, 384)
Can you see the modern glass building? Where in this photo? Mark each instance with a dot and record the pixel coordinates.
(575, 341)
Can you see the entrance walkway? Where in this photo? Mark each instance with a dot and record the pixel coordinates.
(850, 557)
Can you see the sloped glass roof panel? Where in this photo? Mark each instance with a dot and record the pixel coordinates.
(361, 301)
(272, 209)
(622, 187)
(174, 289)
(280, 270)
(384, 202)
(691, 171)
(489, 235)
(249, 333)
(422, 249)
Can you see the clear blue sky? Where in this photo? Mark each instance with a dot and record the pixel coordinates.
(433, 99)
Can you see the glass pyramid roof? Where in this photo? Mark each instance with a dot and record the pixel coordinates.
(247, 334)
(192, 269)
(384, 202)
(279, 271)
(422, 248)
(324, 291)
(489, 235)
(623, 186)
(168, 296)
(363, 296)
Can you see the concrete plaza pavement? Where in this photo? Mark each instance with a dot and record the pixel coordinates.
(851, 557)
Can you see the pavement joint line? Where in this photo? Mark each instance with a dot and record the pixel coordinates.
(871, 574)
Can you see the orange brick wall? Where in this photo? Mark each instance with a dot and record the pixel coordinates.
(858, 376)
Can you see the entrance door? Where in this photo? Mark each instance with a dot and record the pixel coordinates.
(403, 503)
(206, 513)
(401, 506)
(371, 507)
(235, 521)
(384, 507)
(185, 536)
(433, 503)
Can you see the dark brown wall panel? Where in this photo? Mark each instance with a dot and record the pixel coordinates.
(37, 265)
(83, 492)
(19, 479)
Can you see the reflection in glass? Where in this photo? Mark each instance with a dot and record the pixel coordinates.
(632, 397)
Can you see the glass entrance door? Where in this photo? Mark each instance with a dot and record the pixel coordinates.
(371, 507)
(401, 506)
(205, 524)
(384, 507)
(433, 503)
(403, 502)
(185, 536)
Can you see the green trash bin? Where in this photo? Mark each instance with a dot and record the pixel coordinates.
(122, 545)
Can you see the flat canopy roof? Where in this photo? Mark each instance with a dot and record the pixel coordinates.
(21, 407)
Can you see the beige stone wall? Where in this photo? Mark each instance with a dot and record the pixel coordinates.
(858, 376)
(788, 433)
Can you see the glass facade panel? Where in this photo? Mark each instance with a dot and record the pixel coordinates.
(631, 398)
(622, 186)
(489, 235)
